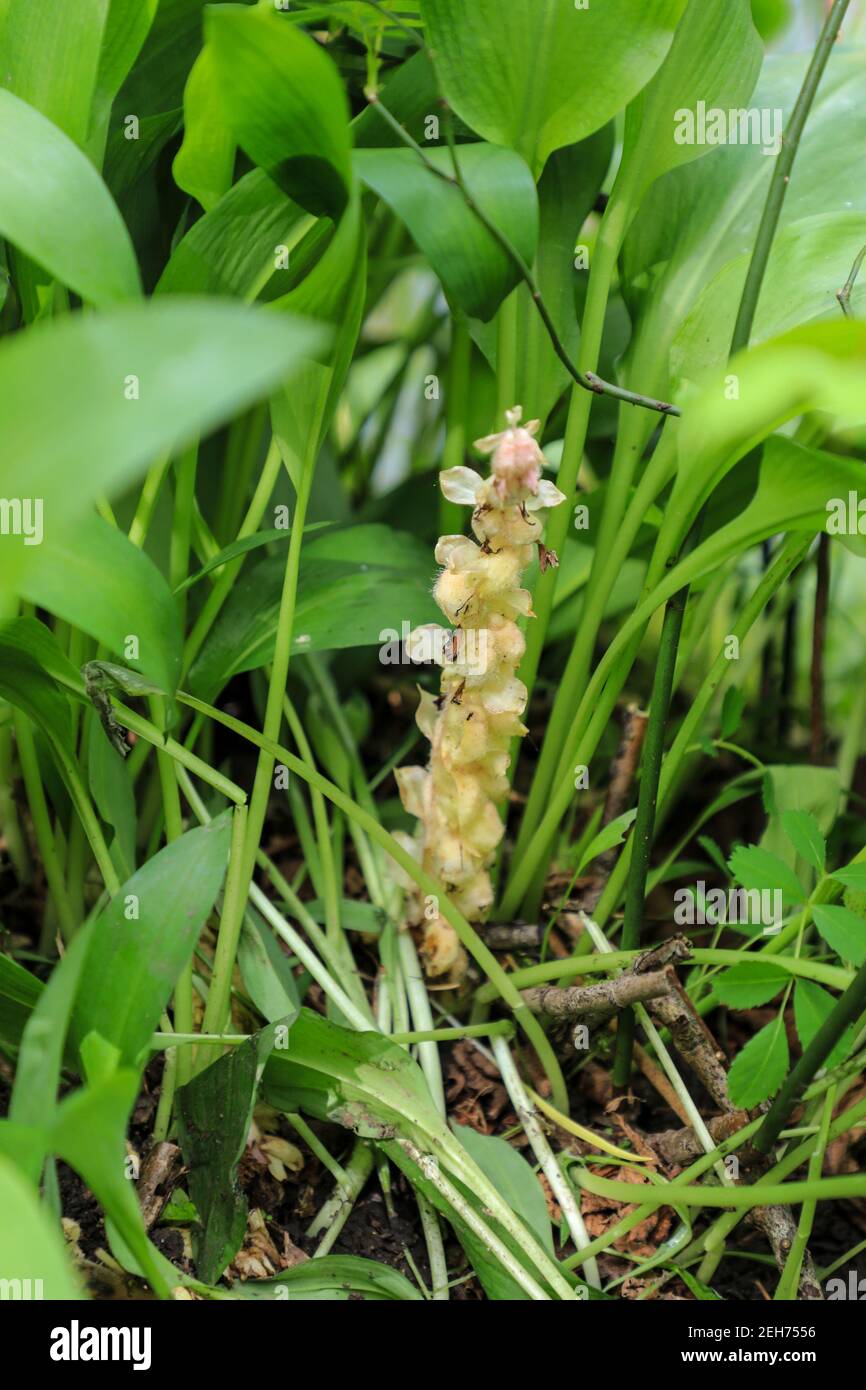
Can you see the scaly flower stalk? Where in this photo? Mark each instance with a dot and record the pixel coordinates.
(471, 722)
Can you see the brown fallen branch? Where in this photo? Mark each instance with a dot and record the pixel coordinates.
(596, 1003)
(513, 936)
(679, 1147)
(698, 1049)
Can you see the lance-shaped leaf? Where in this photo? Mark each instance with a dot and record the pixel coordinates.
(284, 101)
(51, 57)
(215, 1110)
(55, 208)
(33, 1253)
(145, 936)
(90, 400)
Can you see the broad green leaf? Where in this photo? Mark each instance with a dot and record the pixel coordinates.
(236, 248)
(35, 640)
(853, 876)
(358, 587)
(332, 1279)
(126, 27)
(698, 217)
(539, 74)
(40, 1057)
(814, 254)
(27, 686)
(89, 1134)
(475, 272)
(715, 58)
(215, 1110)
(512, 1176)
(204, 164)
(771, 16)
(747, 986)
(32, 1248)
(843, 930)
(757, 868)
(284, 101)
(812, 1007)
(55, 208)
(19, 993)
(51, 56)
(803, 831)
(194, 364)
(113, 797)
(266, 972)
(145, 936)
(759, 1069)
(608, 837)
(94, 577)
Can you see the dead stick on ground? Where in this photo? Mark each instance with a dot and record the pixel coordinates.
(622, 775)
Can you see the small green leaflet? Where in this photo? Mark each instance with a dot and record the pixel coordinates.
(844, 931)
(754, 867)
(812, 1005)
(853, 876)
(803, 831)
(747, 986)
(607, 838)
(760, 1068)
(732, 712)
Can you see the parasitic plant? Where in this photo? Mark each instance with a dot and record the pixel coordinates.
(478, 712)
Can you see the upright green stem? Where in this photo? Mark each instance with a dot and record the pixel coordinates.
(642, 837)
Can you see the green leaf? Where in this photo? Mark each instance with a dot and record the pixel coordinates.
(697, 218)
(266, 971)
(135, 960)
(32, 1248)
(539, 74)
(111, 789)
(232, 250)
(357, 588)
(715, 57)
(843, 930)
(26, 685)
(215, 1111)
(476, 273)
(283, 98)
(51, 56)
(815, 254)
(242, 547)
(55, 208)
(609, 836)
(759, 1069)
(126, 28)
(94, 577)
(747, 986)
(754, 867)
(37, 1074)
(90, 1135)
(732, 711)
(512, 1176)
(853, 876)
(196, 363)
(204, 164)
(803, 831)
(332, 1279)
(812, 1007)
(19, 993)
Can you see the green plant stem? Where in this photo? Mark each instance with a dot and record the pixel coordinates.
(469, 938)
(451, 519)
(42, 826)
(148, 498)
(227, 575)
(642, 836)
(234, 901)
(545, 1157)
(789, 1283)
(87, 817)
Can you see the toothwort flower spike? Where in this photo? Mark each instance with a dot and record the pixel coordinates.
(471, 723)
